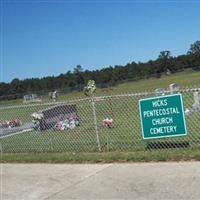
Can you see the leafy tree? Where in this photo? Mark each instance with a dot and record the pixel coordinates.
(165, 55)
(164, 61)
(75, 80)
(78, 69)
(79, 80)
(194, 48)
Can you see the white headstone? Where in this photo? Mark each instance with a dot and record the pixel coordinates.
(168, 72)
(196, 105)
(54, 95)
(31, 98)
(159, 91)
(197, 97)
(173, 88)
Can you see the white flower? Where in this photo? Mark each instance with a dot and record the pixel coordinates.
(37, 115)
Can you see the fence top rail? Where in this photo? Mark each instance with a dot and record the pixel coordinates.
(138, 94)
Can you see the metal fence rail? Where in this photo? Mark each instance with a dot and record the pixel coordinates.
(105, 123)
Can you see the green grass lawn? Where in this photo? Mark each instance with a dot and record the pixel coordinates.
(103, 157)
(125, 135)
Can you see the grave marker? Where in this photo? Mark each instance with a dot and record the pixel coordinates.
(29, 98)
(173, 88)
(196, 105)
(159, 91)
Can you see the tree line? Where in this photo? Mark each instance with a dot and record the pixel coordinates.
(76, 79)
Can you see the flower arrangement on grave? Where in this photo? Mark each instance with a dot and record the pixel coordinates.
(70, 122)
(90, 88)
(10, 123)
(54, 95)
(108, 122)
(37, 117)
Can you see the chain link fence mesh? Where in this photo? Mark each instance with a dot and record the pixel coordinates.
(77, 126)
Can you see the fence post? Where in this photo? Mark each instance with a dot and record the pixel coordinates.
(95, 123)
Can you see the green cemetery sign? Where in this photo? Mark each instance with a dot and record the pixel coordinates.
(162, 116)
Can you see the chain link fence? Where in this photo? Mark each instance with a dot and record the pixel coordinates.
(104, 123)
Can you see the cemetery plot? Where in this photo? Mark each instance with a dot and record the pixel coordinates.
(118, 123)
(60, 117)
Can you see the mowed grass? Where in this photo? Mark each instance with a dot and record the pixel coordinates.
(125, 135)
(187, 78)
(104, 157)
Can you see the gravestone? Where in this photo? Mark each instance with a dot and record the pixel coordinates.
(173, 88)
(57, 113)
(29, 98)
(159, 92)
(54, 95)
(196, 105)
(168, 72)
